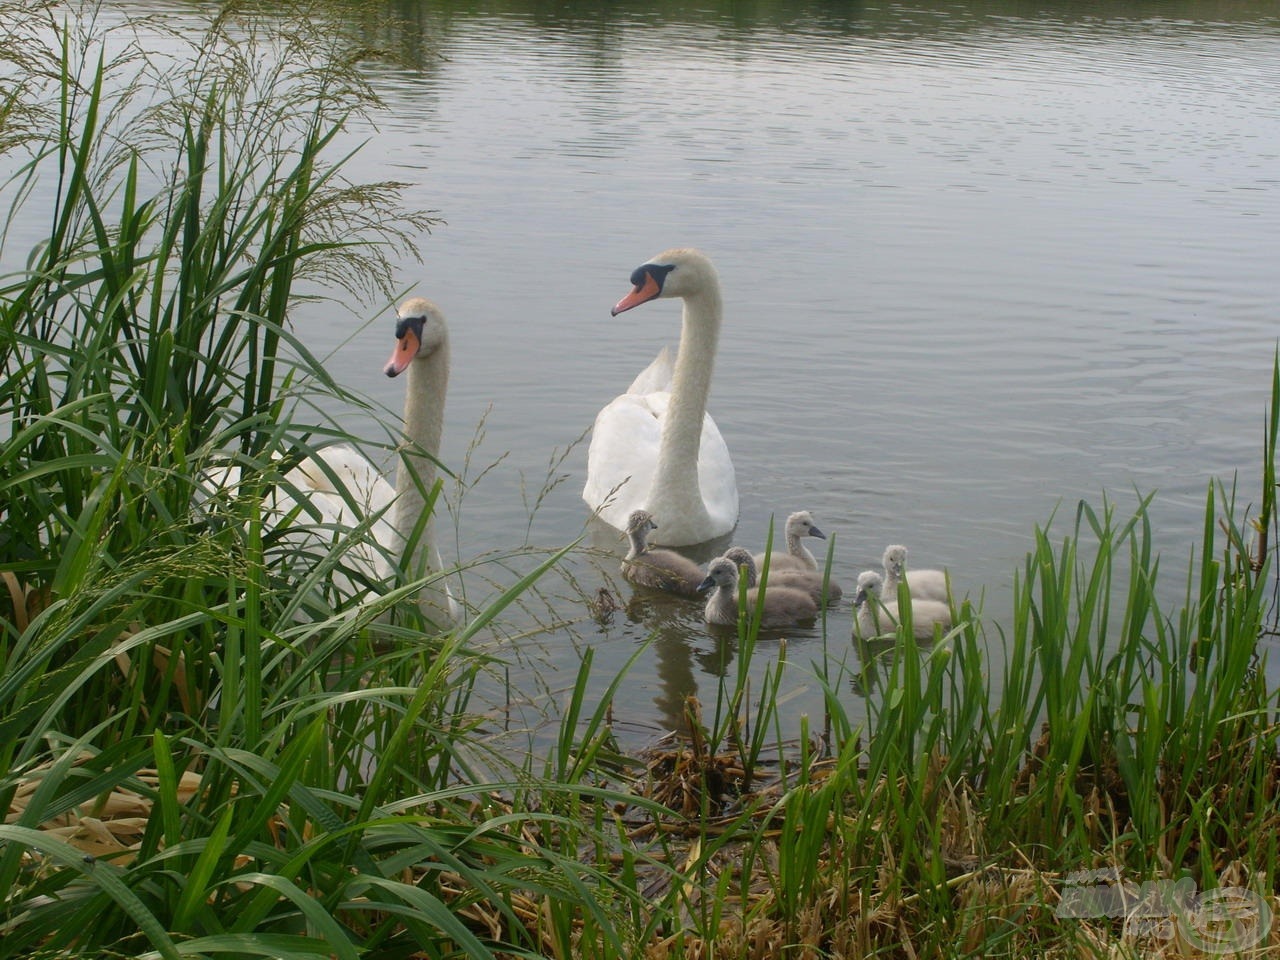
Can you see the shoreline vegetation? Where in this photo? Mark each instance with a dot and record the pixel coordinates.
(207, 750)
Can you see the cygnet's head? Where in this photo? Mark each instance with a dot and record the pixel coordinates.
(420, 332)
(869, 585)
(895, 559)
(679, 272)
(800, 524)
(721, 572)
(640, 521)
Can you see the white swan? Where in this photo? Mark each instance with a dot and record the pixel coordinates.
(810, 581)
(655, 447)
(655, 568)
(922, 584)
(337, 490)
(876, 618)
(797, 557)
(782, 605)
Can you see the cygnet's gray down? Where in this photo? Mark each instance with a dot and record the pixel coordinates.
(782, 605)
(809, 581)
(655, 568)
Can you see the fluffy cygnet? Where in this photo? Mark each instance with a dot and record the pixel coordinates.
(655, 568)
(874, 618)
(810, 581)
(923, 584)
(782, 605)
(799, 524)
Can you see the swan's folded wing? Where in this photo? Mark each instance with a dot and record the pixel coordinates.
(656, 377)
(363, 482)
(623, 455)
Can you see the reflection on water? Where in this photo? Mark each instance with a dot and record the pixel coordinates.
(979, 260)
(976, 263)
(679, 659)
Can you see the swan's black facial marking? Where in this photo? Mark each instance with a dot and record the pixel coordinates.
(656, 271)
(405, 324)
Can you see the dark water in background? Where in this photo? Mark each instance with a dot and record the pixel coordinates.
(979, 261)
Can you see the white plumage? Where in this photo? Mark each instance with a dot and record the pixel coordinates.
(877, 617)
(655, 447)
(922, 584)
(336, 491)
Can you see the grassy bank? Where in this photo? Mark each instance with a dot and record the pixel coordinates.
(207, 750)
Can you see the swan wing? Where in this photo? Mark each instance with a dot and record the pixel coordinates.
(657, 376)
(717, 479)
(341, 469)
(623, 455)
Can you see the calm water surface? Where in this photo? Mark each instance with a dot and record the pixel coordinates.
(979, 262)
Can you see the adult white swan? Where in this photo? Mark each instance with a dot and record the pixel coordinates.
(343, 490)
(655, 447)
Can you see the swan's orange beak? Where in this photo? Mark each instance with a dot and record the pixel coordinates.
(642, 293)
(406, 349)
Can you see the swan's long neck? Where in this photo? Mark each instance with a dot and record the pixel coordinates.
(425, 391)
(676, 474)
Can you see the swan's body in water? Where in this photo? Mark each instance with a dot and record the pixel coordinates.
(809, 581)
(337, 490)
(782, 605)
(656, 568)
(655, 447)
(922, 584)
(874, 617)
(797, 556)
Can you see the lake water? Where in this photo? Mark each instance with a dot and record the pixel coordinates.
(979, 261)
